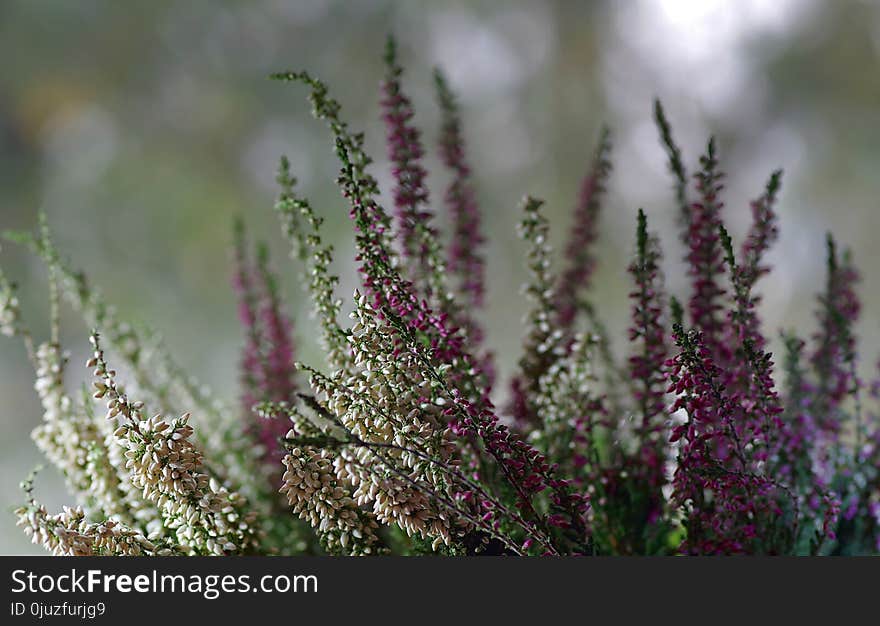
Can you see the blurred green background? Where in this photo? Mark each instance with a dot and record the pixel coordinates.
(143, 128)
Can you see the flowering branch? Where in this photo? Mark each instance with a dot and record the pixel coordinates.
(576, 277)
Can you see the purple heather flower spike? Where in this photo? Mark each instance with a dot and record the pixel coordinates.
(410, 192)
(465, 257)
(746, 367)
(646, 365)
(743, 329)
(576, 277)
(278, 384)
(763, 232)
(267, 363)
(704, 258)
(676, 167)
(278, 334)
(833, 358)
(250, 366)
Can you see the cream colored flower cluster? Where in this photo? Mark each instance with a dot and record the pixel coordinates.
(320, 497)
(62, 437)
(166, 466)
(378, 395)
(403, 457)
(10, 313)
(69, 534)
(314, 491)
(156, 377)
(76, 443)
(203, 511)
(143, 479)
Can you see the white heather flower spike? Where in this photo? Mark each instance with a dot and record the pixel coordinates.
(10, 313)
(157, 377)
(167, 467)
(75, 441)
(69, 534)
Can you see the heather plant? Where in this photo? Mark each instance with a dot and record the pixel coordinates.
(395, 444)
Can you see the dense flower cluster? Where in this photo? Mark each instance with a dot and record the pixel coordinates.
(316, 495)
(69, 534)
(395, 444)
(167, 467)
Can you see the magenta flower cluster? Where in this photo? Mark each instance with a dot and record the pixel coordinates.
(266, 365)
